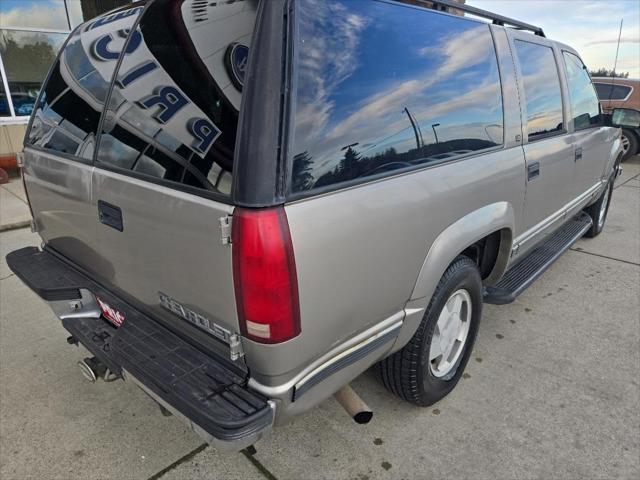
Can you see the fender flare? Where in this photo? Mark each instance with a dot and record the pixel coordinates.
(615, 155)
(446, 247)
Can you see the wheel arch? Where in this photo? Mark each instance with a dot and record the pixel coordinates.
(451, 242)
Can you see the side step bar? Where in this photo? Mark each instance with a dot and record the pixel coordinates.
(527, 270)
(200, 387)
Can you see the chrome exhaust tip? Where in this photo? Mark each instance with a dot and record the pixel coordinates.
(87, 371)
(354, 405)
(92, 369)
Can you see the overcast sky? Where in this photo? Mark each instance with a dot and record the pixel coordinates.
(589, 26)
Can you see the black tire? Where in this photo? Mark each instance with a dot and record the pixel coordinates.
(594, 210)
(633, 144)
(407, 372)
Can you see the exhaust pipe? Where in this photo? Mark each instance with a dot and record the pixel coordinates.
(353, 404)
(92, 369)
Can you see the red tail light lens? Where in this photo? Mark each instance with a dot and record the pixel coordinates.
(264, 275)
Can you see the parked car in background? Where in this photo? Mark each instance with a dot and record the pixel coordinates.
(245, 205)
(621, 93)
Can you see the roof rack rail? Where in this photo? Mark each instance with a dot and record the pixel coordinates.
(495, 18)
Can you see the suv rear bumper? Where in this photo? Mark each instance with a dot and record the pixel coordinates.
(215, 400)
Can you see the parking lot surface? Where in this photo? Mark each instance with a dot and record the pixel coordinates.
(551, 391)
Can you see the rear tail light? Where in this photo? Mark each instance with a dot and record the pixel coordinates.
(264, 275)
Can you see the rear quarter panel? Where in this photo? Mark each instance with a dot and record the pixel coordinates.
(359, 251)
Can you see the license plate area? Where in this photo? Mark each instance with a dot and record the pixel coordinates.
(111, 314)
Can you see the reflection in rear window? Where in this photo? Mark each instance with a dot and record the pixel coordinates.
(384, 87)
(175, 103)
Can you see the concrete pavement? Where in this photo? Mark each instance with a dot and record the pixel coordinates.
(14, 209)
(551, 391)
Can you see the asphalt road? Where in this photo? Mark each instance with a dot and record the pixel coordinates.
(552, 391)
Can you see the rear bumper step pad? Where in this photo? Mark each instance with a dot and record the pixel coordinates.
(198, 386)
(527, 270)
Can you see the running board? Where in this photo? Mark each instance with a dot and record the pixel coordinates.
(527, 270)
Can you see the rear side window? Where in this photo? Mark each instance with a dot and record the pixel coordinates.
(383, 87)
(67, 116)
(541, 89)
(173, 112)
(585, 107)
(608, 91)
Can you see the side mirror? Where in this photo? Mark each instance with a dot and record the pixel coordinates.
(625, 117)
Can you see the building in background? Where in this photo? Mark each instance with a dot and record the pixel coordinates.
(31, 33)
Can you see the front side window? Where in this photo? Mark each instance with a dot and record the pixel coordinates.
(384, 87)
(173, 112)
(585, 107)
(73, 99)
(611, 91)
(541, 89)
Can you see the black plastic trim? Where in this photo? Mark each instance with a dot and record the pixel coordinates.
(344, 362)
(110, 215)
(258, 163)
(40, 272)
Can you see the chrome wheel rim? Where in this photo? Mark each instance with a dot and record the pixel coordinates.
(603, 207)
(625, 144)
(450, 334)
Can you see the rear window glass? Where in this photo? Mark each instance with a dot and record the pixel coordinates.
(584, 101)
(67, 116)
(541, 89)
(608, 91)
(384, 87)
(173, 113)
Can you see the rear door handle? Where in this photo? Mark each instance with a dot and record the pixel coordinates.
(110, 215)
(533, 170)
(578, 153)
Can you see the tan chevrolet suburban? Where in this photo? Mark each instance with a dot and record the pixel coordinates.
(245, 204)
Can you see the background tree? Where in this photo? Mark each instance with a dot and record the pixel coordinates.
(302, 177)
(605, 72)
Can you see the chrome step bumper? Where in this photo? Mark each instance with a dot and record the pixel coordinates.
(214, 399)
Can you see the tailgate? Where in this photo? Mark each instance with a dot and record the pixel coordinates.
(168, 256)
(138, 204)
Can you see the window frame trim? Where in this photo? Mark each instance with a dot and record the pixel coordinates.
(291, 196)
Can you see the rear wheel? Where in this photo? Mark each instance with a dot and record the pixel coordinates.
(599, 210)
(430, 365)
